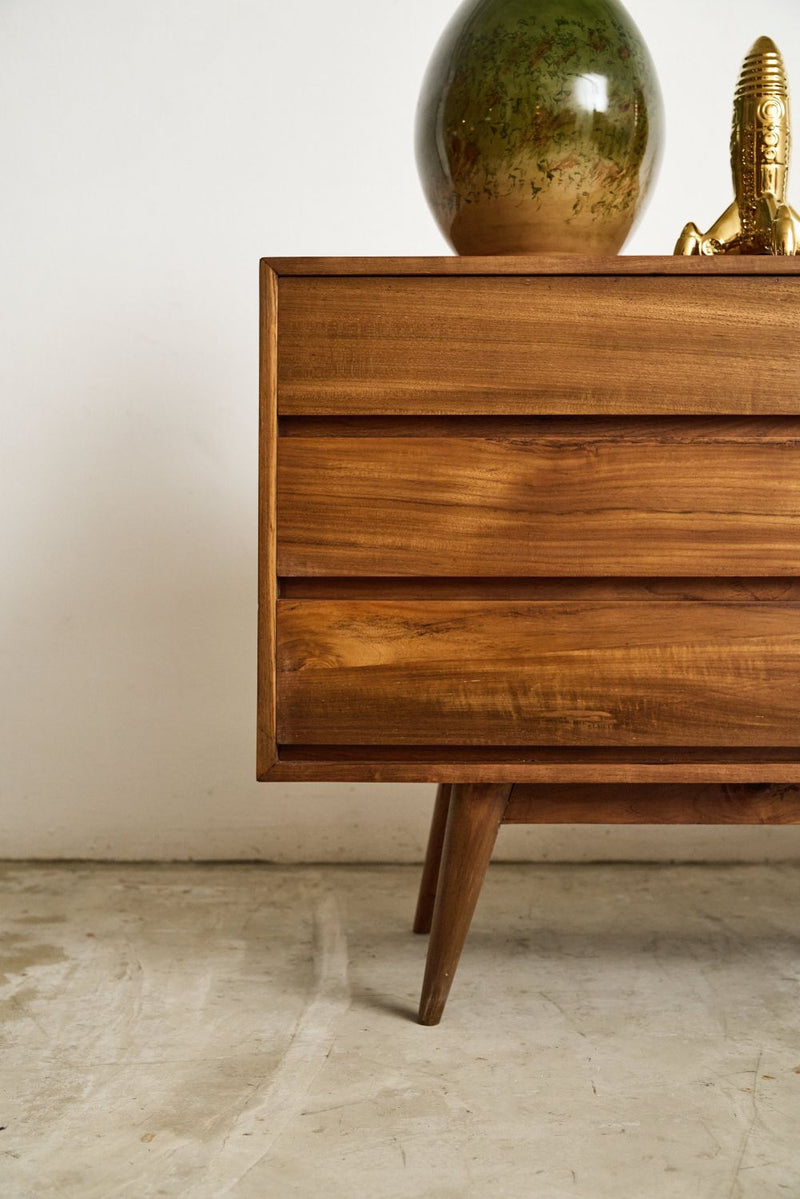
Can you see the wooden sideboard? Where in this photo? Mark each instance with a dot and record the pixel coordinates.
(530, 530)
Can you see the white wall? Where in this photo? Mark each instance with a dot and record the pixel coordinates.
(151, 152)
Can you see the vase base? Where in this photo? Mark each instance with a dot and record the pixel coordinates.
(503, 227)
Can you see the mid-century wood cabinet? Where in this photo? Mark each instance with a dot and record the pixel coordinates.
(530, 530)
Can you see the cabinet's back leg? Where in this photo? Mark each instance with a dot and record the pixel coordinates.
(433, 858)
(475, 814)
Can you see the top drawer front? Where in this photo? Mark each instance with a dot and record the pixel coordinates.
(538, 345)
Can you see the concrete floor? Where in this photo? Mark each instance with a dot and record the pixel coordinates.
(196, 1031)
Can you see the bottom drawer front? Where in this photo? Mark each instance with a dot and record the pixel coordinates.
(358, 672)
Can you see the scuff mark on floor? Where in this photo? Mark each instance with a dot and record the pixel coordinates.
(751, 1125)
(268, 1113)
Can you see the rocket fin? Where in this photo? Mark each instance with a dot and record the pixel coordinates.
(724, 232)
(689, 240)
(784, 235)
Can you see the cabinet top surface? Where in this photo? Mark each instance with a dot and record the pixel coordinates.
(537, 264)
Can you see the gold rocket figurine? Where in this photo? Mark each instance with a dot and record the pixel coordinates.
(759, 221)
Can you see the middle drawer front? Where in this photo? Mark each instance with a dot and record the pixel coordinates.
(457, 672)
(539, 497)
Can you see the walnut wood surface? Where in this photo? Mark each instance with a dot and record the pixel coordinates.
(396, 361)
(444, 764)
(653, 803)
(534, 264)
(503, 344)
(433, 858)
(266, 747)
(537, 528)
(652, 500)
(483, 673)
(540, 764)
(474, 816)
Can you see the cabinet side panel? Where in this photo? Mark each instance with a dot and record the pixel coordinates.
(267, 454)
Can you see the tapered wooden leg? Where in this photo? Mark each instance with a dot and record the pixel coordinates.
(433, 858)
(475, 815)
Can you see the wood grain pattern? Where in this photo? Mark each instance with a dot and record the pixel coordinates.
(537, 533)
(724, 413)
(527, 503)
(433, 858)
(654, 803)
(474, 816)
(443, 764)
(266, 752)
(625, 344)
(362, 672)
(535, 265)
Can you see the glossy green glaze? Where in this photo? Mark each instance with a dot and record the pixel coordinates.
(539, 127)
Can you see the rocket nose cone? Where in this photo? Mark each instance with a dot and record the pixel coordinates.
(764, 45)
(763, 72)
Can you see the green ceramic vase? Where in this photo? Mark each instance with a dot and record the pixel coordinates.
(539, 127)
